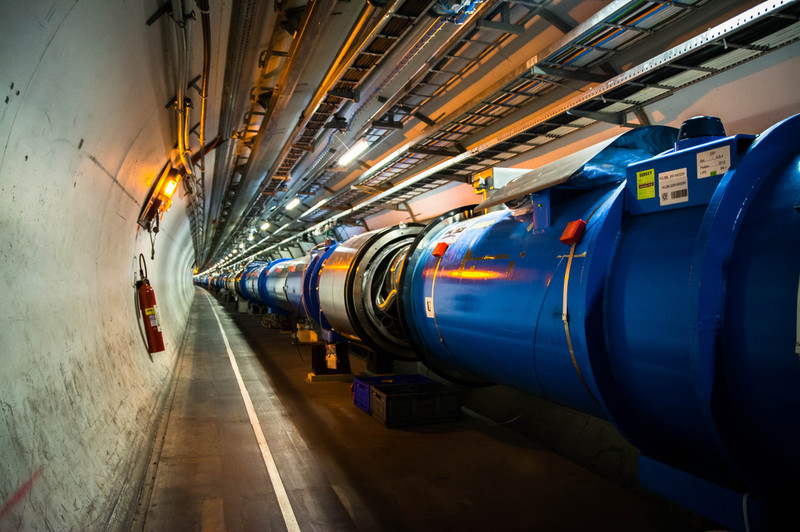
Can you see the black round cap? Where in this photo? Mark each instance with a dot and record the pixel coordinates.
(701, 126)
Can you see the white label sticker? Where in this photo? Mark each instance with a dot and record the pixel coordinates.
(331, 362)
(713, 162)
(429, 307)
(451, 235)
(673, 187)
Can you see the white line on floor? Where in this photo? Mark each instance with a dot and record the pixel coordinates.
(280, 492)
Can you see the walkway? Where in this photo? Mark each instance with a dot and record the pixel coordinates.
(339, 469)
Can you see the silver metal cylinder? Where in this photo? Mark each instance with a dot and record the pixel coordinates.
(355, 288)
(277, 282)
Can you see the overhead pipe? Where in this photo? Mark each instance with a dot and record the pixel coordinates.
(316, 16)
(370, 21)
(248, 21)
(181, 46)
(372, 87)
(205, 21)
(422, 71)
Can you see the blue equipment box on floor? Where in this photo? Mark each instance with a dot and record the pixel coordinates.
(362, 386)
(414, 404)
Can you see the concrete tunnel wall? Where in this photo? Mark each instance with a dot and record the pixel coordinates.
(83, 133)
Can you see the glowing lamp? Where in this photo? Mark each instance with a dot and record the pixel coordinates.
(160, 197)
(357, 149)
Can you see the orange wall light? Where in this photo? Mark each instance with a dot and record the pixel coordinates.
(160, 197)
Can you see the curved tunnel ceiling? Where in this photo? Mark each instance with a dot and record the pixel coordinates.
(436, 95)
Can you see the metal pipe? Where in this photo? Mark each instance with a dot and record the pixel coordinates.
(315, 17)
(202, 5)
(368, 23)
(182, 77)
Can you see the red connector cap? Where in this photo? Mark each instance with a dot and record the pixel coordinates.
(573, 232)
(439, 250)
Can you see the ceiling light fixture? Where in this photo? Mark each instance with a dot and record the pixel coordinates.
(265, 226)
(281, 228)
(357, 149)
(319, 204)
(292, 204)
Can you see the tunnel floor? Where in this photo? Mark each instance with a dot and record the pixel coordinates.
(338, 468)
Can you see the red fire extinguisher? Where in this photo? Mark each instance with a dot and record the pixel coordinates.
(147, 304)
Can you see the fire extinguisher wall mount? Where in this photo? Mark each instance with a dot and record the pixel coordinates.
(147, 305)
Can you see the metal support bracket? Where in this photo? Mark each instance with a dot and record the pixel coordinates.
(305, 146)
(423, 118)
(541, 211)
(641, 114)
(504, 24)
(433, 151)
(163, 9)
(347, 95)
(618, 118)
(554, 20)
(337, 122)
(193, 84)
(569, 73)
(407, 208)
(387, 124)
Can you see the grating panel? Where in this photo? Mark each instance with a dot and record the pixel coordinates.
(591, 47)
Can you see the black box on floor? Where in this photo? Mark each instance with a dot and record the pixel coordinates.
(414, 404)
(362, 386)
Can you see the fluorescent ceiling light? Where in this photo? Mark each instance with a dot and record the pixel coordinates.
(357, 149)
(281, 228)
(292, 204)
(319, 204)
(265, 226)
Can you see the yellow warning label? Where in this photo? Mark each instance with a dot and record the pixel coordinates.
(149, 311)
(646, 184)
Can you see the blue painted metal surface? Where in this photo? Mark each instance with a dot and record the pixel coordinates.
(498, 289)
(249, 282)
(294, 286)
(236, 282)
(317, 258)
(265, 296)
(684, 178)
(284, 285)
(679, 321)
(675, 317)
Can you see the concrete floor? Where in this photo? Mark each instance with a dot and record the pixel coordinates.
(341, 469)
